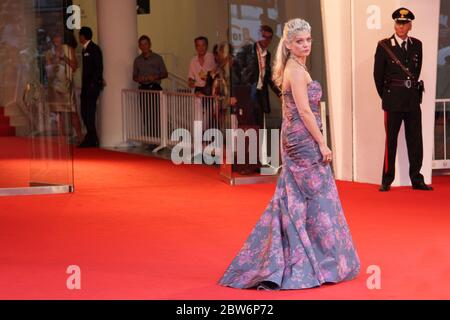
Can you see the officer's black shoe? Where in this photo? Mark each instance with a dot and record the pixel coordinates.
(385, 188)
(422, 186)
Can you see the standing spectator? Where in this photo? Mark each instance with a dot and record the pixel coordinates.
(221, 87)
(149, 69)
(254, 75)
(61, 63)
(92, 85)
(201, 65)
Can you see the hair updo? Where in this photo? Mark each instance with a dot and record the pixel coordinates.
(291, 29)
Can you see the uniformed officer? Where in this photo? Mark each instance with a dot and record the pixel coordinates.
(398, 63)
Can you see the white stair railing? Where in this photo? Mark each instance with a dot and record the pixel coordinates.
(152, 116)
(177, 84)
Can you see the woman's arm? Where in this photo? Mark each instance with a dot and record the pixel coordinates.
(298, 79)
(72, 59)
(299, 85)
(49, 66)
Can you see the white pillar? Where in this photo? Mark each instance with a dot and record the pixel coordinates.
(117, 33)
(370, 23)
(336, 17)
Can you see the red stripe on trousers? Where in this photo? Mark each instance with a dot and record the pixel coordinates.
(386, 157)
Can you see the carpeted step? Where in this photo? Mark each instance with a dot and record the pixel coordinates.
(6, 130)
(4, 120)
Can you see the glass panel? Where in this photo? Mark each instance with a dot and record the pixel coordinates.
(442, 128)
(15, 19)
(439, 132)
(54, 108)
(443, 83)
(447, 130)
(36, 95)
(249, 113)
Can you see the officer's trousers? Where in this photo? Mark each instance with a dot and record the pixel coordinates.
(414, 142)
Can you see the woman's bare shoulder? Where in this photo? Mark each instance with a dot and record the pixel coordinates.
(294, 73)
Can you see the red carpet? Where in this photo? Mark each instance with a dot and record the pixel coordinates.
(5, 129)
(142, 228)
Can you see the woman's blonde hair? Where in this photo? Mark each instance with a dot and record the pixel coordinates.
(291, 28)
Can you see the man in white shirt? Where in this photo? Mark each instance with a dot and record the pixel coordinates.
(200, 66)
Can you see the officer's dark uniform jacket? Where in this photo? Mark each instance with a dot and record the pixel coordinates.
(394, 96)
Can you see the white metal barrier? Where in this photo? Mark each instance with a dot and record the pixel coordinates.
(151, 116)
(141, 115)
(441, 158)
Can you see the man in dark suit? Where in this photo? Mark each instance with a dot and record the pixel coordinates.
(252, 75)
(92, 85)
(251, 78)
(398, 64)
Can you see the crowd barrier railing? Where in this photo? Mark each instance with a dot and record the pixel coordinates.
(152, 116)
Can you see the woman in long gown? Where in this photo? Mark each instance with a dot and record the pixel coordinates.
(302, 240)
(61, 65)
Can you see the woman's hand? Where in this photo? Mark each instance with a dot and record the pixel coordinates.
(326, 154)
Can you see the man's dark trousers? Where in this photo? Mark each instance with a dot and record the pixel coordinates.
(413, 135)
(89, 97)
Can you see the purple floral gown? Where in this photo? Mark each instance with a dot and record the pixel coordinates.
(302, 240)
